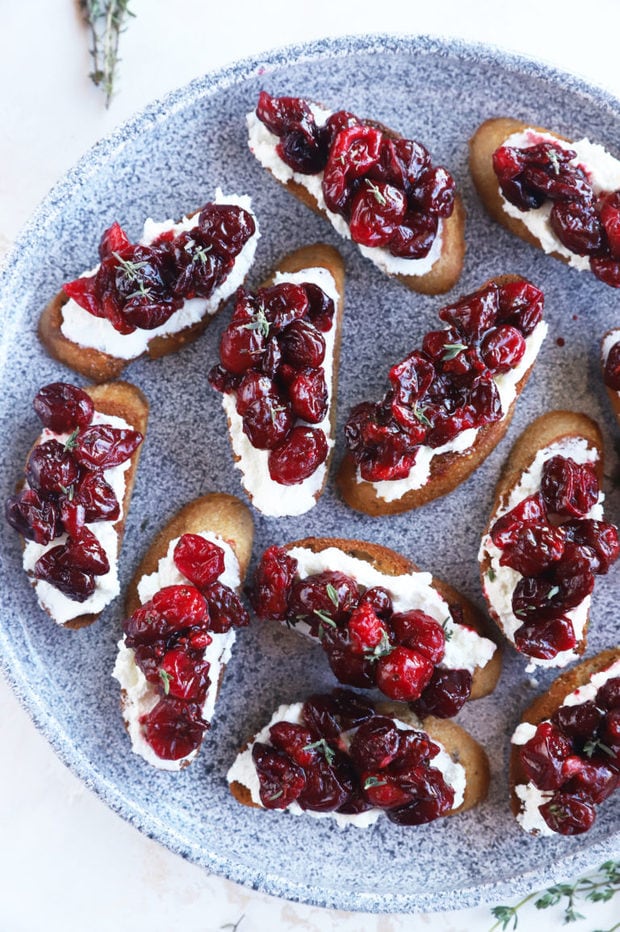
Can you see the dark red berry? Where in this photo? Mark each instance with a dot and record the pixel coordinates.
(54, 568)
(419, 631)
(568, 815)
(225, 608)
(181, 606)
(447, 692)
(52, 469)
(403, 674)
(308, 394)
(199, 560)
(281, 779)
(62, 407)
(184, 677)
(299, 456)
(273, 583)
(33, 516)
(174, 728)
(102, 446)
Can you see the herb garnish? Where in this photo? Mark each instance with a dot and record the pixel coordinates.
(452, 350)
(71, 441)
(594, 745)
(165, 678)
(333, 595)
(259, 322)
(491, 574)
(373, 781)
(325, 618)
(324, 747)
(420, 415)
(447, 634)
(378, 196)
(131, 270)
(383, 647)
(106, 19)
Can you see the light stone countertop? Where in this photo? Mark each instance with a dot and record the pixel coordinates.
(67, 862)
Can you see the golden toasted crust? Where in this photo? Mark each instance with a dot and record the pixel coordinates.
(544, 706)
(447, 270)
(487, 138)
(122, 400)
(447, 471)
(612, 394)
(457, 742)
(547, 429)
(393, 564)
(318, 255)
(222, 514)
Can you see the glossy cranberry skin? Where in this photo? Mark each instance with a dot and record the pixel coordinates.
(273, 584)
(503, 349)
(299, 456)
(609, 207)
(267, 422)
(332, 593)
(114, 239)
(53, 567)
(537, 547)
(612, 368)
(447, 692)
(338, 711)
(181, 606)
(295, 740)
(199, 560)
(521, 305)
(352, 669)
(568, 488)
(434, 191)
(376, 212)
(187, 678)
(577, 226)
(414, 236)
(608, 695)
(321, 308)
(475, 313)
(383, 790)
(607, 270)
(308, 395)
(379, 599)
(62, 407)
(97, 497)
(302, 345)
(506, 530)
(280, 113)
(591, 780)
(419, 631)
(599, 537)
(33, 516)
(254, 386)
(568, 815)
(366, 630)
(403, 674)
(578, 721)
(102, 446)
(226, 227)
(543, 755)
(433, 798)
(225, 608)
(546, 638)
(240, 348)
(51, 469)
(283, 304)
(84, 552)
(375, 744)
(174, 728)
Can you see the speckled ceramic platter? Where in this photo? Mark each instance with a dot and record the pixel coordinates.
(168, 160)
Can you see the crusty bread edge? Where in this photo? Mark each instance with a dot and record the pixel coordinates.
(545, 430)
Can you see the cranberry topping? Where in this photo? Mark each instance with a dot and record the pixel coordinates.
(62, 407)
(584, 223)
(272, 356)
(367, 644)
(567, 814)
(102, 446)
(385, 766)
(569, 489)
(33, 516)
(142, 286)
(448, 386)
(386, 189)
(56, 568)
(612, 368)
(174, 728)
(199, 560)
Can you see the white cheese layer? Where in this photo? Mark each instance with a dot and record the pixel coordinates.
(391, 490)
(263, 142)
(465, 649)
(500, 581)
(243, 771)
(602, 169)
(98, 333)
(272, 498)
(140, 695)
(56, 603)
(531, 797)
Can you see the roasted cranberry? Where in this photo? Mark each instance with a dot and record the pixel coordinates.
(375, 744)
(599, 537)
(268, 421)
(403, 674)
(447, 692)
(414, 236)
(53, 567)
(543, 755)
(503, 348)
(222, 380)
(281, 779)
(521, 305)
(273, 583)
(180, 606)
(546, 638)
(84, 552)
(62, 407)
(226, 227)
(432, 798)
(97, 497)
(185, 677)
(225, 608)
(536, 548)
(608, 695)
(591, 780)
(607, 270)
(348, 667)
(506, 529)
(327, 788)
(356, 149)
(411, 378)
(366, 630)
(299, 456)
(199, 560)
(114, 239)
(577, 226)
(296, 741)
(280, 113)
(320, 308)
(434, 191)
(241, 346)
(383, 789)
(475, 313)
(568, 815)
(308, 394)
(577, 721)
(323, 598)
(174, 728)
(536, 597)
(612, 367)
(302, 345)
(252, 387)
(379, 599)
(102, 446)
(419, 631)
(376, 212)
(51, 468)
(342, 710)
(200, 269)
(283, 304)
(33, 516)
(145, 626)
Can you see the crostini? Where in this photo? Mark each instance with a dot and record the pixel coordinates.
(340, 756)
(448, 405)
(278, 375)
(72, 506)
(558, 195)
(381, 621)
(375, 187)
(565, 757)
(155, 296)
(182, 609)
(610, 361)
(546, 539)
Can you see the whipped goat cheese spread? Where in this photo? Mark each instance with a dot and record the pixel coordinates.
(140, 696)
(98, 333)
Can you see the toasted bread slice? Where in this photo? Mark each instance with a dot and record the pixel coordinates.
(228, 519)
(446, 271)
(549, 702)
(390, 563)
(321, 256)
(120, 399)
(455, 741)
(610, 339)
(545, 431)
(447, 470)
(102, 367)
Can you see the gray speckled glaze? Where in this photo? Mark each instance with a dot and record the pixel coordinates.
(165, 161)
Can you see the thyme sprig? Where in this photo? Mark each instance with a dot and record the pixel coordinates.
(598, 888)
(106, 21)
(323, 747)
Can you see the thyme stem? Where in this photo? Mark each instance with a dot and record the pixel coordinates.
(105, 19)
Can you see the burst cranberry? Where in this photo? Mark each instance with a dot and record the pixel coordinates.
(578, 721)
(383, 790)
(610, 729)
(357, 148)
(376, 212)
(327, 788)
(349, 668)
(267, 422)
(53, 567)
(283, 304)
(33, 516)
(607, 270)
(241, 346)
(536, 548)
(414, 236)
(379, 599)
(181, 606)
(535, 597)
(545, 639)
(199, 560)
(226, 227)
(404, 674)
(102, 446)
(299, 456)
(114, 239)
(577, 226)
(599, 537)
(331, 593)
(84, 552)
(543, 755)
(419, 631)
(308, 394)
(610, 219)
(411, 378)
(62, 407)
(51, 468)
(503, 348)
(339, 711)
(521, 305)
(279, 113)
(302, 345)
(435, 191)
(447, 692)
(475, 313)
(281, 780)
(590, 780)
(174, 728)
(254, 386)
(608, 695)
(145, 626)
(568, 815)
(432, 798)
(97, 498)
(225, 608)
(375, 744)
(612, 368)
(273, 583)
(295, 740)
(506, 529)
(321, 308)
(184, 677)
(366, 630)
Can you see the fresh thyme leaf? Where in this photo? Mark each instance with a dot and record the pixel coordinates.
(131, 270)
(491, 574)
(325, 749)
(383, 647)
(106, 20)
(378, 196)
(333, 595)
(554, 159)
(71, 441)
(422, 418)
(197, 252)
(325, 618)
(259, 322)
(141, 291)
(165, 678)
(275, 409)
(447, 634)
(504, 914)
(594, 745)
(452, 350)
(69, 491)
(373, 781)
(553, 592)
(277, 795)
